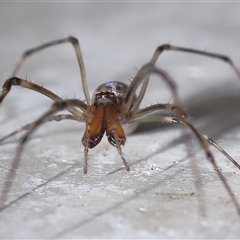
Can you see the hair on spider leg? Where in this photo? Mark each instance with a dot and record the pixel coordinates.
(113, 104)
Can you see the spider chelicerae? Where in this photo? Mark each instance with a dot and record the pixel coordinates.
(113, 105)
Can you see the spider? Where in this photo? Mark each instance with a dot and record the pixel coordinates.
(114, 104)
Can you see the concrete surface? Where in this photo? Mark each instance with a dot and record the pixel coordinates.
(159, 197)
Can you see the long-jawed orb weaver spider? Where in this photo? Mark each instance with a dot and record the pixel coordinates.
(113, 105)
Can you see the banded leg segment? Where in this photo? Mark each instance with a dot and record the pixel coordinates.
(14, 81)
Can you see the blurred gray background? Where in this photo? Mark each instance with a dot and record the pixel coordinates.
(159, 197)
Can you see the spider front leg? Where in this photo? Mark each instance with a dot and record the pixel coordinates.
(141, 116)
(166, 47)
(77, 49)
(57, 106)
(14, 81)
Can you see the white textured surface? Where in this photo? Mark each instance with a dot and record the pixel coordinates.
(153, 200)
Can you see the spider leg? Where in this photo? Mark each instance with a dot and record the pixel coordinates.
(140, 117)
(212, 160)
(56, 118)
(77, 49)
(212, 142)
(144, 74)
(57, 106)
(14, 81)
(166, 47)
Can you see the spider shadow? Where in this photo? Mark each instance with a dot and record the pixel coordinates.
(24, 195)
